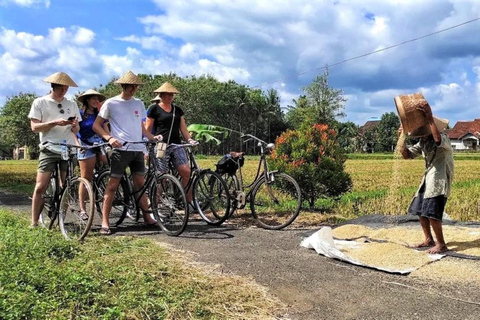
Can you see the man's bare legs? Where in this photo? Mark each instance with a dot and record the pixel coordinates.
(428, 242)
(440, 245)
(37, 200)
(41, 184)
(138, 182)
(108, 197)
(437, 247)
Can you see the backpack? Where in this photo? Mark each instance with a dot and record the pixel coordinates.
(229, 164)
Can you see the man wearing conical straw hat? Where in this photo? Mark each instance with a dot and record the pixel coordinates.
(55, 118)
(124, 113)
(431, 196)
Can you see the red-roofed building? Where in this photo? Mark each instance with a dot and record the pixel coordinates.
(465, 135)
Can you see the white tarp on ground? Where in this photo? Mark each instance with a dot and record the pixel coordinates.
(323, 243)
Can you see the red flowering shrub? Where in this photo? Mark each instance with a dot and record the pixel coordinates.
(313, 157)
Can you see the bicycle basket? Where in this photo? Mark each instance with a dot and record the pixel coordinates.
(229, 164)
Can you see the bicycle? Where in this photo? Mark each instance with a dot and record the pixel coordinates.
(167, 198)
(209, 191)
(64, 202)
(275, 197)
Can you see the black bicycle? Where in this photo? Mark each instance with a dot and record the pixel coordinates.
(275, 197)
(209, 191)
(62, 200)
(167, 200)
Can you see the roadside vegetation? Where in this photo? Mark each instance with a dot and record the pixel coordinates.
(43, 276)
(380, 186)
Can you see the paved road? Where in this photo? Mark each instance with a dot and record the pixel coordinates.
(312, 286)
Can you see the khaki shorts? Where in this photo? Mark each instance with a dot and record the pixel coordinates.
(48, 160)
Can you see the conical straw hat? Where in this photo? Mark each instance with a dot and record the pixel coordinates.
(90, 92)
(166, 87)
(157, 98)
(129, 78)
(60, 78)
(423, 131)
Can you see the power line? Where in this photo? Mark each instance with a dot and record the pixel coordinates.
(370, 53)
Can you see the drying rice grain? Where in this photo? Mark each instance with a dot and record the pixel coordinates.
(388, 256)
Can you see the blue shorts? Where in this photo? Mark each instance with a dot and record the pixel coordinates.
(431, 208)
(176, 155)
(89, 153)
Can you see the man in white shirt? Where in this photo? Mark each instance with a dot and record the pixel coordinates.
(56, 119)
(124, 113)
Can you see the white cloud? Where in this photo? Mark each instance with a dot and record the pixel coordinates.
(151, 43)
(27, 3)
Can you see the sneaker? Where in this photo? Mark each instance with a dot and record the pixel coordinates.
(83, 216)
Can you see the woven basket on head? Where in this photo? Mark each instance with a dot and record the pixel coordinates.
(407, 108)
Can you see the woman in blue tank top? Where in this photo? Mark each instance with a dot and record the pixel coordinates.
(90, 100)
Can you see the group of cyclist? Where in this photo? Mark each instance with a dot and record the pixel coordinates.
(120, 119)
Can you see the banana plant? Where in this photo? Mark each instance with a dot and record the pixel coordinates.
(209, 132)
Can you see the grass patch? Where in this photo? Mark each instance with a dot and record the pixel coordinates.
(43, 276)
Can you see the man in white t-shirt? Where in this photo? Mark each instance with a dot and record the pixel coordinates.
(56, 119)
(124, 113)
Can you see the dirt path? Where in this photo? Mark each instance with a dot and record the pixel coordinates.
(313, 287)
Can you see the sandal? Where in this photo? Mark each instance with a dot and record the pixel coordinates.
(105, 231)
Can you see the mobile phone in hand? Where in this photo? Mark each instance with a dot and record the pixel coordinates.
(71, 118)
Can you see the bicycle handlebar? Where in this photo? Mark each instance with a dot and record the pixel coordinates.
(74, 145)
(252, 137)
(139, 142)
(182, 145)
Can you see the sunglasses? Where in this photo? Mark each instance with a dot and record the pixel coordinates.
(60, 107)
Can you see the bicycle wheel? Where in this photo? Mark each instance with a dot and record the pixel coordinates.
(169, 204)
(233, 185)
(276, 203)
(211, 197)
(73, 224)
(121, 201)
(48, 215)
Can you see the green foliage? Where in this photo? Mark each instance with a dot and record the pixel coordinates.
(387, 132)
(321, 104)
(227, 104)
(14, 123)
(208, 132)
(313, 157)
(347, 136)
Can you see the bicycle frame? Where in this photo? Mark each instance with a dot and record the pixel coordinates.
(136, 195)
(262, 170)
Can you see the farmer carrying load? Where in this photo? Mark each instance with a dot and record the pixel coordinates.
(434, 145)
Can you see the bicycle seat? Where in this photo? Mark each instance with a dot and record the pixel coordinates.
(236, 154)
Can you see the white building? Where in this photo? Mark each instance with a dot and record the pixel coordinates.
(465, 135)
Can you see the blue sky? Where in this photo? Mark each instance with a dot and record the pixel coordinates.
(275, 44)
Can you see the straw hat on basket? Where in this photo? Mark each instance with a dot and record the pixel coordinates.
(90, 92)
(168, 88)
(129, 78)
(60, 78)
(157, 98)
